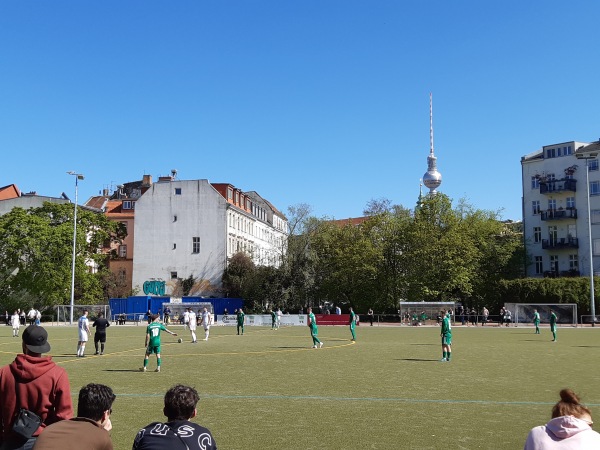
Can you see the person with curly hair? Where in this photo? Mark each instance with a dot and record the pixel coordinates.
(570, 427)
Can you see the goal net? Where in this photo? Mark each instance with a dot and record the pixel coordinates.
(421, 313)
(522, 313)
(63, 312)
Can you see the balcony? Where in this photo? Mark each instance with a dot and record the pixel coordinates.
(562, 273)
(556, 186)
(557, 244)
(559, 214)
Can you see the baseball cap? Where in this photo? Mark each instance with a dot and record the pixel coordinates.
(35, 339)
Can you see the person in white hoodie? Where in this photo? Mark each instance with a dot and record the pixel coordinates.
(570, 427)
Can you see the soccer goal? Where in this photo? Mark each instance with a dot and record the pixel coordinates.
(422, 313)
(63, 312)
(522, 313)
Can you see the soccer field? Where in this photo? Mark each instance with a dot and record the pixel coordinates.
(271, 390)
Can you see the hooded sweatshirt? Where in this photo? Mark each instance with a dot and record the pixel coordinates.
(37, 384)
(565, 432)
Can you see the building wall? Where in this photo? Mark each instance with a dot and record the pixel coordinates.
(27, 202)
(564, 233)
(167, 218)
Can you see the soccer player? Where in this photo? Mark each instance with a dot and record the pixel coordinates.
(206, 321)
(553, 325)
(536, 321)
(279, 314)
(153, 342)
(446, 334)
(101, 324)
(273, 320)
(314, 331)
(83, 324)
(186, 318)
(192, 324)
(352, 323)
(16, 323)
(240, 321)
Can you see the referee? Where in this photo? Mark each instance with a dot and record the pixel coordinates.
(100, 336)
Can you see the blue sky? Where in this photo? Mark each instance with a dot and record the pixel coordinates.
(314, 101)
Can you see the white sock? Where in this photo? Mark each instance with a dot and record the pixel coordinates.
(206, 335)
(193, 336)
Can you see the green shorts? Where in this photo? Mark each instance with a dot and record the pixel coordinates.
(446, 340)
(153, 349)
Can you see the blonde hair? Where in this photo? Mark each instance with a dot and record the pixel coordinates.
(570, 405)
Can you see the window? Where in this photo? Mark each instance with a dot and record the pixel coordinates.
(173, 275)
(592, 164)
(174, 218)
(177, 191)
(124, 224)
(595, 217)
(174, 246)
(554, 263)
(122, 251)
(571, 202)
(572, 231)
(551, 177)
(535, 183)
(195, 245)
(594, 187)
(551, 204)
(237, 198)
(553, 234)
(537, 234)
(550, 153)
(568, 150)
(128, 204)
(573, 262)
(536, 206)
(229, 194)
(122, 275)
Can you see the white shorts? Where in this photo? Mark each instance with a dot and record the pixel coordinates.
(83, 336)
(206, 327)
(192, 326)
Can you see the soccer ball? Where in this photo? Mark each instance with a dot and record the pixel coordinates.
(180, 340)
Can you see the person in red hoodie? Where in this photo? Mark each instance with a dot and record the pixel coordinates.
(36, 383)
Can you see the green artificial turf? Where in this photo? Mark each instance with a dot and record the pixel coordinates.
(271, 390)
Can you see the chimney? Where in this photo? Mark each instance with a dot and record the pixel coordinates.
(147, 181)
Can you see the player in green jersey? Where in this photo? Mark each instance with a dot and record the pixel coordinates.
(153, 341)
(446, 334)
(314, 331)
(553, 325)
(536, 321)
(240, 320)
(273, 320)
(352, 323)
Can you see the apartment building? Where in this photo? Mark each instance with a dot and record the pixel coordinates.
(555, 209)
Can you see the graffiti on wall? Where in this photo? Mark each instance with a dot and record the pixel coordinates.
(154, 287)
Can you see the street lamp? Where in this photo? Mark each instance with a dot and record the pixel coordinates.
(587, 157)
(78, 176)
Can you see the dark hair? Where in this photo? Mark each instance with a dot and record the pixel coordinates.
(94, 399)
(569, 405)
(180, 402)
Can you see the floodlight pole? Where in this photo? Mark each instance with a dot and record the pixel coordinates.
(78, 177)
(587, 157)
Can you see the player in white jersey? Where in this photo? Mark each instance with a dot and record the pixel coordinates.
(206, 321)
(186, 318)
(83, 324)
(279, 314)
(15, 321)
(192, 324)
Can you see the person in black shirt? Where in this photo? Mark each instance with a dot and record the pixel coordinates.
(100, 336)
(180, 407)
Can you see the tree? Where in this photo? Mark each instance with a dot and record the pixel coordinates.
(36, 254)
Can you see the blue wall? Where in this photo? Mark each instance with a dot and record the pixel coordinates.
(141, 304)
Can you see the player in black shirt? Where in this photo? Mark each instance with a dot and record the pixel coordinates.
(100, 336)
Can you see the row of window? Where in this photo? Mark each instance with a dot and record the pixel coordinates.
(536, 205)
(539, 263)
(558, 152)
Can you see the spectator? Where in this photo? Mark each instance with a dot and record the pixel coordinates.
(89, 430)
(22, 317)
(473, 317)
(25, 381)
(507, 317)
(167, 314)
(31, 315)
(486, 313)
(570, 427)
(370, 315)
(7, 317)
(180, 407)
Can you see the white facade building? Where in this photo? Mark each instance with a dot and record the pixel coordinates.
(555, 211)
(191, 228)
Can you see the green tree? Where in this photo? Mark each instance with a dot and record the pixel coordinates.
(36, 254)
